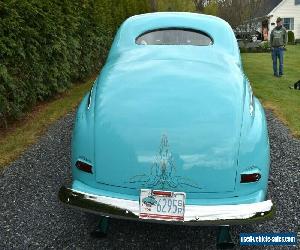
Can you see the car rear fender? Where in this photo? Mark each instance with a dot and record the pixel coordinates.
(83, 137)
(254, 145)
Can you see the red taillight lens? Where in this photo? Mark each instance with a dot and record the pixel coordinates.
(246, 178)
(84, 166)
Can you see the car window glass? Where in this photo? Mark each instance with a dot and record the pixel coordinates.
(174, 37)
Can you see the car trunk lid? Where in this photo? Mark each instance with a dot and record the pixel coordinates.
(167, 124)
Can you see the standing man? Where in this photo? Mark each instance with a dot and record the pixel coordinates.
(278, 41)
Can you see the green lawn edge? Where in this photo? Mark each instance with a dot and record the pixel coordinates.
(28, 130)
(274, 92)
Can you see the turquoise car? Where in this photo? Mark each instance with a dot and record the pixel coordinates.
(170, 131)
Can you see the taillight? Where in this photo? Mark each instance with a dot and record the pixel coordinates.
(84, 166)
(246, 178)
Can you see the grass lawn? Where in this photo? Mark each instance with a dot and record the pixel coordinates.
(25, 132)
(274, 92)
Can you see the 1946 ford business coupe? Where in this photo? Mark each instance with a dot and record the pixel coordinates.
(170, 131)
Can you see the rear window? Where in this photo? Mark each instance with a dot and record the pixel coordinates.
(174, 36)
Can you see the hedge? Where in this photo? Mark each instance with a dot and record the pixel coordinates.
(47, 45)
(291, 37)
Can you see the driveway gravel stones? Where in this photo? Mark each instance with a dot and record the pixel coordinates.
(31, 216)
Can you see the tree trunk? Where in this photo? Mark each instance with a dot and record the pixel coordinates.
(199, 5)
(153, 4)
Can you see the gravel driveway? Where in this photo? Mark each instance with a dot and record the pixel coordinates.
(32, 217)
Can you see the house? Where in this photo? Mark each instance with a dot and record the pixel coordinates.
(288, 10)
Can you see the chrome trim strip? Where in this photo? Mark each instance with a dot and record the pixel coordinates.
(90, 97)
(194, 214)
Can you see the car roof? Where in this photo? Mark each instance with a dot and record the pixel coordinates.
(217, 28)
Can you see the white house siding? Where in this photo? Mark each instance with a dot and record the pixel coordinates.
(286, 9)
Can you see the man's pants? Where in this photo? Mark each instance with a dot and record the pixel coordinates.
(277, 53)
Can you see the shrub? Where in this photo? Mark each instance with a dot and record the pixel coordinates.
(262, 47)
(47, 45)
(291, 37)
(265, 45)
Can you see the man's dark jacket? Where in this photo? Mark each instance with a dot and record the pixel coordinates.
(278, 37)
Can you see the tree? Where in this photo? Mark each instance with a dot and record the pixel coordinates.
(211, 8)
(251, 22)
(176, 5)
(200, 5)
(233, 11)
(153, 4)
(239, 12)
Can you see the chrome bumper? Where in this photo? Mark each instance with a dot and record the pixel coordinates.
(194, 214)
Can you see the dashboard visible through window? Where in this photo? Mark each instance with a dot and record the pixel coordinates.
(174, 36)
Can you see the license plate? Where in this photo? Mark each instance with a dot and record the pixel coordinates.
(162, 205)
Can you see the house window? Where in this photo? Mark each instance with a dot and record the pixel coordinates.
(288, 23)
(297, 2)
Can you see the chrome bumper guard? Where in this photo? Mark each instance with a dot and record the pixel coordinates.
(194, 214)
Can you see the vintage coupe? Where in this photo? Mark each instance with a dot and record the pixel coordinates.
(170, 131)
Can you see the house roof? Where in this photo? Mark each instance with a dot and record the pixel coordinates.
(267, 7)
